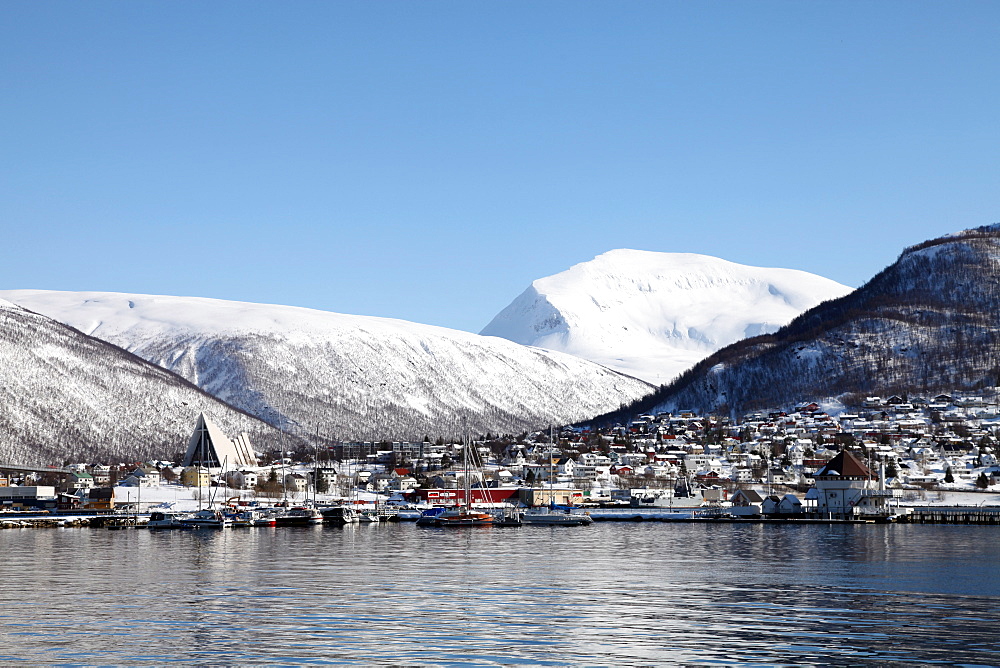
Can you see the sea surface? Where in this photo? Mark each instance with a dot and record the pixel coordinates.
(611, 594)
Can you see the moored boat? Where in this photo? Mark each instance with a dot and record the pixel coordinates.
(508, 517)
(300, 516)
(263, 520)
(464, 517)
(252, 518)
(368, 517)
(207, 519)
(544, 517)
(159, 520)
(339, 515)
(429, 517)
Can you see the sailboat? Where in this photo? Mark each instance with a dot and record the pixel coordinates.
(463, 515)
(206, 518)
(547, 516)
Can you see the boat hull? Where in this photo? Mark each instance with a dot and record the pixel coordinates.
(299, 517)
(339, 515)
(556, 520)
(464, 519)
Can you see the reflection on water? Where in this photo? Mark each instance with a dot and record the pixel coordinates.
(609, 594)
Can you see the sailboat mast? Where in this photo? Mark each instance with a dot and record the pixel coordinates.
(552, 493)
(201, 462)
(465, 461)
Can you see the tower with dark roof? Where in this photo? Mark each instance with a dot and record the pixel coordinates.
(847, 488)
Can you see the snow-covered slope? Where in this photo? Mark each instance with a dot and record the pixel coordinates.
(928, 323)
(653, 315)
(64, 395)
(349, 377)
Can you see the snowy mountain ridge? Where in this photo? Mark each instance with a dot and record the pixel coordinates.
(349, 377)
(65, 395)
(653, 315)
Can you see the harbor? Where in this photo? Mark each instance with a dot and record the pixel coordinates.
(982, 515)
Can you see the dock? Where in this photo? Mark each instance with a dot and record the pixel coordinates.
(955, 515)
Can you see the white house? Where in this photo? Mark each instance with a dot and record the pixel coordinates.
(295, 482)
(142, 478)
(746, 502)
(846, 487)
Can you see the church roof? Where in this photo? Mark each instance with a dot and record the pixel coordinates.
(209, 446)
(847, 465)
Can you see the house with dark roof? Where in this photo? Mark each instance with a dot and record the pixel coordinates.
(846, 488)
(746, 503)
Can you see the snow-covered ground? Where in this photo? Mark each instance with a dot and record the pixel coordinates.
(952, 498)
(178, 497)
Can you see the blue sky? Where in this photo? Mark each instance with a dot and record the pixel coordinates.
(428, 160)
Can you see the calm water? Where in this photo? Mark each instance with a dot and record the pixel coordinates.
(609, 594)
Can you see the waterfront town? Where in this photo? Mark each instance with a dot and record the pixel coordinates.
(889, 457)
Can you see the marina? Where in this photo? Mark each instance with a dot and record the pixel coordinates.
(501, 516)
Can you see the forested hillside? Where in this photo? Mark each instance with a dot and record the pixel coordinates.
(67, 396)
(928, 322)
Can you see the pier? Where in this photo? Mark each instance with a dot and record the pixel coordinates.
(954, 515)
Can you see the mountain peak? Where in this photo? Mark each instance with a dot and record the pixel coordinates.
(925, 324)
(653, 314)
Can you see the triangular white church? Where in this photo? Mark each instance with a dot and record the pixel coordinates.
(209, 446)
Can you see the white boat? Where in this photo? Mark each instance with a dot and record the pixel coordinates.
(368, 517)
(207, 519)
(159, 520)
(660, 499)
(252, 518)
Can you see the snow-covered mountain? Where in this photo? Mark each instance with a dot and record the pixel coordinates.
(347, 377)
(928, 323)
(653, 315)
(65, 395)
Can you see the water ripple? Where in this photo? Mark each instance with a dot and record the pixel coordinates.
(611, 594)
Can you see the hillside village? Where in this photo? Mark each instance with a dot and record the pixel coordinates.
(914, 447)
